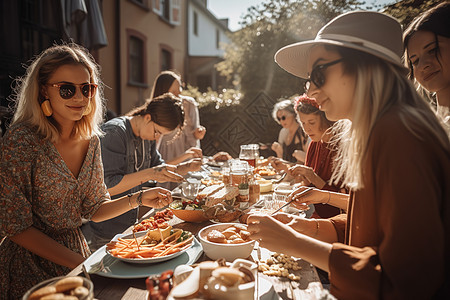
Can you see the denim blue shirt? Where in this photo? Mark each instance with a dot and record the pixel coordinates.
(123, 153)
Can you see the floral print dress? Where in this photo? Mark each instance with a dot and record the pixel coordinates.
(38, 189)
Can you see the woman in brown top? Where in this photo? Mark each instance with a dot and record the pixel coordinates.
(394, 157)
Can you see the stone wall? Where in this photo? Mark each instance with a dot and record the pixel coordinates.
(249, 122)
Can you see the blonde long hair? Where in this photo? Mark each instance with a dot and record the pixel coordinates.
(28, 93)
(379, 86)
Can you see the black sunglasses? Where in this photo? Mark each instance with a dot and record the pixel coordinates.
(317, 74)
(68, 90)
(281, 119)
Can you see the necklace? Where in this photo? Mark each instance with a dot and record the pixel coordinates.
(135, 157)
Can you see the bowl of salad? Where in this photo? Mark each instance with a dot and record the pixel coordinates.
(188, 210)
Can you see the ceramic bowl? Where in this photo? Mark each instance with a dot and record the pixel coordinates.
(228, 251)
(86, 283)
(194, 216)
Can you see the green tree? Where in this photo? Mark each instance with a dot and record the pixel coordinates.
(268, 27)
(405, 11)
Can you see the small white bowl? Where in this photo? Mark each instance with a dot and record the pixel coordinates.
(228, 251)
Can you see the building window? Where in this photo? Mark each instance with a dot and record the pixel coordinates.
(166, 10)
(38, 25)
(195, 21)
(217, 38)
(166, 60)
(136, 60)
(141, 3)
(137, 64)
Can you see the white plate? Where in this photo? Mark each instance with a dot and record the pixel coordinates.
(101, 263)
(275, 176)
(150, 260)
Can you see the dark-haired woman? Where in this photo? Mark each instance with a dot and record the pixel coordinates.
(427, 55)
(320, 155)
(179, 145)
(130, 158)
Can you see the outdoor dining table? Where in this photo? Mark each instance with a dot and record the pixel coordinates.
(308, 287)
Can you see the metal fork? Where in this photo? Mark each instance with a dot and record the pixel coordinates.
(280, 179)
(102, 266)
(289, 202)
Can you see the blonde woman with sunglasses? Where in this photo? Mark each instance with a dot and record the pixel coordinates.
(51, 173)
(394, 243)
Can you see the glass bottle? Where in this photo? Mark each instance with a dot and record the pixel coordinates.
(253, 190)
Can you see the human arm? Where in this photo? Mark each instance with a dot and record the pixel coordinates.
(278, 149)
(154, 197)
(222, 156)
(279, 164)
(321, 229)
(299, 155)
(200, 132)
(192, 127)
(41, 244)
(335, 199)
(189, 166)
(277, 236)
(161, 173)
(192, 152)
(306, 174)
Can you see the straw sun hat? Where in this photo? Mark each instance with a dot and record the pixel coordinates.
(370, 32)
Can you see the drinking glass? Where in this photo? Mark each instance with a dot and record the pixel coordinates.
(225, 175)
(190, 189)
(238, 172)
(249, 153)
(277, 201)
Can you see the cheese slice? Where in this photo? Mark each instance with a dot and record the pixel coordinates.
(155, 235)
(265, 186)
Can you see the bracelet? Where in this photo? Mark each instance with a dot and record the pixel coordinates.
(317, 227)
(129, 198)
(139, 199)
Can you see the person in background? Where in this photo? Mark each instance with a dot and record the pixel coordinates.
(427, 55)
(51, 173)
(179, 145)
(291, 137)
(131, 161)
(394, 156)
(320, 155)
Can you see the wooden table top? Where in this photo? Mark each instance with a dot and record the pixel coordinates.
(308, 287)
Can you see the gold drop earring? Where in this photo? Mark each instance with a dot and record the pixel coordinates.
(46, 108)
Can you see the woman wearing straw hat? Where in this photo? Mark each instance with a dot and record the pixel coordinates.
(397, 233)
